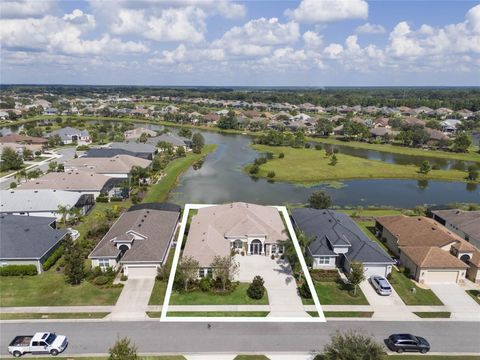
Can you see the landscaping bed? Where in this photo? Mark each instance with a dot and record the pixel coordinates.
(475, 294)
(433, 314)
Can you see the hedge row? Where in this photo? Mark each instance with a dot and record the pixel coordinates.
(52, 259)
(18, 270)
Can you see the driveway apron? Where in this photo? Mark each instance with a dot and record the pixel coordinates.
(133, 301)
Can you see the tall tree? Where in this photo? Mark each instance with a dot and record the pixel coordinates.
(123, 350)
(197, 143)
(462, 142)
(188, 270)
(224, 268)
(319, 200)
(74, 262)
(11, 160)
(425, 167)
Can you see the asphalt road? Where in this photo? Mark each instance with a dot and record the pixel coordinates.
(156, 337)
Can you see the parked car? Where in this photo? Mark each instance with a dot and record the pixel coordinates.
(41, 342)
(407, 342)
(381, 285)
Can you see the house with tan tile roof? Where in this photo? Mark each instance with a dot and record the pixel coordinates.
(117, 166)
(473, 272)
(430, 251)
(241, 227)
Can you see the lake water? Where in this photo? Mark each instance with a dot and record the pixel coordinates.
(221, 179)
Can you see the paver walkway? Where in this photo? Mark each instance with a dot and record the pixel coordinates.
(457, 301)
(133, 301)
(280, 284)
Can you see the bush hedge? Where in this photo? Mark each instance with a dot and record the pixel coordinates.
(52, 259)
(325, 275)
(18, 270)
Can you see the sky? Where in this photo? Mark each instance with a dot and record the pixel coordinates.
(240, 43)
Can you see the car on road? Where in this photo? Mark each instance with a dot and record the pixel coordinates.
(39, 343)
(407, 342)
(381, 285)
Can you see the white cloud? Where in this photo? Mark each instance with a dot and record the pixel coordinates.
(368, 28)
(312, 39)
(182, 54)
(311, 11)
(25, 8)
(473, 19)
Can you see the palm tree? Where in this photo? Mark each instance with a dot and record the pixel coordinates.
(75, 213)
(64, 211)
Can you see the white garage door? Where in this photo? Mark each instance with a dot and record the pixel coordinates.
(135, 272)
(441, 277)
(375, 270)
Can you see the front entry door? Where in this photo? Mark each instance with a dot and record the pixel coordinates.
(256, 247)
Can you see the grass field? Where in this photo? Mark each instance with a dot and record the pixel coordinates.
(475, 294)
(433, 315)
(50, 289)
(159, 192)
(80, 315)
(403, 286)
(396, 149)
(160, 286)
(237, 297)
(310, 166)
(355, 314)
(160, 357)
(217, 313)
(336, 293)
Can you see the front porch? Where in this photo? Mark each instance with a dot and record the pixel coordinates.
(256, 246)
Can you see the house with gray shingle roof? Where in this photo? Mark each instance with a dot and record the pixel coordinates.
(139, 240)
(336, 241)
(26, 240)
(70, 135)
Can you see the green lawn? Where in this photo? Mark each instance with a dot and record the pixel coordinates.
(237, 297)
(80, 315)
(368, 227)
(50, 289)
(433, 357)
(433, 315)
(355, 314)
(310, 166)
(159, 192)
(336, 293)
(161, 357)
(396, 149)
(372, 212)
(160, 287)
(217, 313)
(251, 357)
(475, 294)
(403, 286)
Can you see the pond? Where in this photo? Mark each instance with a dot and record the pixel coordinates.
(221, 179)
(400, 159)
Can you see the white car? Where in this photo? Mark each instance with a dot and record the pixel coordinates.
(381, 285)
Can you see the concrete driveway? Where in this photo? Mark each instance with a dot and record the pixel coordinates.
(279, 282)
(457, 301)
(389, 307)
(133, 300)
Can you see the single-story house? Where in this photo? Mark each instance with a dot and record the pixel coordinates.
(139, 241)
(465, 224)
(430, 264)
(241, 227)
(51, 111)
(109, 153)
(43, 202)
(175, 140)
(337, 242)
(26, 240)
(82, 182)
(22, 139)
(137, 132)
(417, 241)
(118, 166)
(450, 125)
(145, 151)
(70, 135)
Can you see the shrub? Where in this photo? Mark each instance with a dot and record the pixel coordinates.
(269, 155)
(18, 270)
(318, 147)
(254, 169)
(205, 284)
(272, 257)
(256, 290)
(124, 278)
(38, 153)
(281, 155)
(13, 185)
(102, 199)
(52, 259)
(304, 291)
(83, 147)
(271, 174)
(101, 280)
(307, 145)
(115, 199)
(325, 275)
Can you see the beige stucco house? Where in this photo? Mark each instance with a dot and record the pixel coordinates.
(237, 227)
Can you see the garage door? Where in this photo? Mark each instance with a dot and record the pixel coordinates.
(375, 270)
(442, 277)
(135, 272)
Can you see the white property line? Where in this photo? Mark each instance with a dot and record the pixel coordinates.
(176, 258)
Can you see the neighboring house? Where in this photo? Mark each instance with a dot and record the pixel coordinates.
(71, 135)
(145, 151)
(337, 242)
(415, 241)
(26, 240)
(473, 272)
(241, 227)
(118, 166)
(137, 132)
(82, 182)
(139, 240)
(465, 224)
(51, 111)
(175, 140)
(22, 139)
(109, 153)
(43, 202)
(450, 125)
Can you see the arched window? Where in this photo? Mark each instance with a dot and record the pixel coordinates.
(238, 244)
(256, 247)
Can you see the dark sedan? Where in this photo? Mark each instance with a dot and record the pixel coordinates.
(407, 342)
